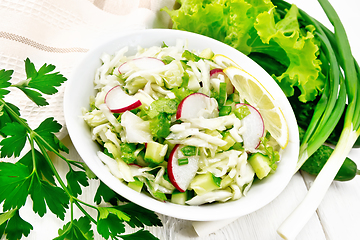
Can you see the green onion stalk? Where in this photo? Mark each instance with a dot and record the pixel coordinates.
(350, 133)
(332, 102)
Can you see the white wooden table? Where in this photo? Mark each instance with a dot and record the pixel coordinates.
(337, 218)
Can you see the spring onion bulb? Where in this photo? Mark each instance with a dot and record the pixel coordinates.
(351, 131)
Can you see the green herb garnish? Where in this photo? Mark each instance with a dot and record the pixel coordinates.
(35, 176)
(183, 161)
(189, 151)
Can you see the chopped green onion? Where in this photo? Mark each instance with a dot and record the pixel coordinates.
(183, 161)
(167, 59)
(189, 151)
(241, 112)
(222, 94)
(190, 56)
(225, 110)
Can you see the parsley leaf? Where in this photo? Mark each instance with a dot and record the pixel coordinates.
(76, 229)
(2, 226)
(108, 219)
(47, 130)
(34, 174)
(5, 77)
(140, 216)
(139, 235)
(15, 142)
(16, 227)
(108, 222)
(75, 179)
(30, 69)
(14, 185)
(34, 95)
(56, 198)
(42, 167)
(6, 114)
(4, 217)
(107, 194)
(43, 80)
(18, 180)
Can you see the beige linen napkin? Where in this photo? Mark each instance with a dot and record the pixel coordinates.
(60, 33)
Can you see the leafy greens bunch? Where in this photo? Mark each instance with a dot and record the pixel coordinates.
(34, 174)
(302, 55)
(310, 63)
(281, 45)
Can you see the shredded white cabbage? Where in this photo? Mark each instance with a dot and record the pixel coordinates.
(136, 129)
(209, 197)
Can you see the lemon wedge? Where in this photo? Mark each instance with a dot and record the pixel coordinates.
(256, 95)
(224, 61)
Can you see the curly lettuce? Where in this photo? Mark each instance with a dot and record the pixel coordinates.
(303, 69)
(255, 28)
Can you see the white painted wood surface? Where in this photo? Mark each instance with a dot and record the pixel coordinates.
(337, 218)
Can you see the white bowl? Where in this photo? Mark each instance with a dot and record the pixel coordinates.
(80, 87)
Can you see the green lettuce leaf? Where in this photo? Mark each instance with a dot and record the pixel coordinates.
(301, 49)
(255, 26)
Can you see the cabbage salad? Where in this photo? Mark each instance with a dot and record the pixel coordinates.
(171, 124)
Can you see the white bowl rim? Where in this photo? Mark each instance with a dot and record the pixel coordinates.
(76, 90)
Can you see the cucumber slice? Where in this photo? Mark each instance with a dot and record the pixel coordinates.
(207, 53)
(230, 141)
(179, 197)
(137, 185)
(204, 183)
(226, 181)
(140, 160)
(261, 164)
(155, 152)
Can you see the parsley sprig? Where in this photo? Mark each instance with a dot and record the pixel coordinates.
(34, 174)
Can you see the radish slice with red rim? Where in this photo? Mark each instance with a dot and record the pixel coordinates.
(181, 175)
(118, 101)
(214, 73)
(254, 127)
(196, 105)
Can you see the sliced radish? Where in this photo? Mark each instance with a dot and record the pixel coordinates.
(118, 101)
(143, 63)
(254, 127)
(196, 105)
(215, 73)
(135, 165)
(181, 175)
